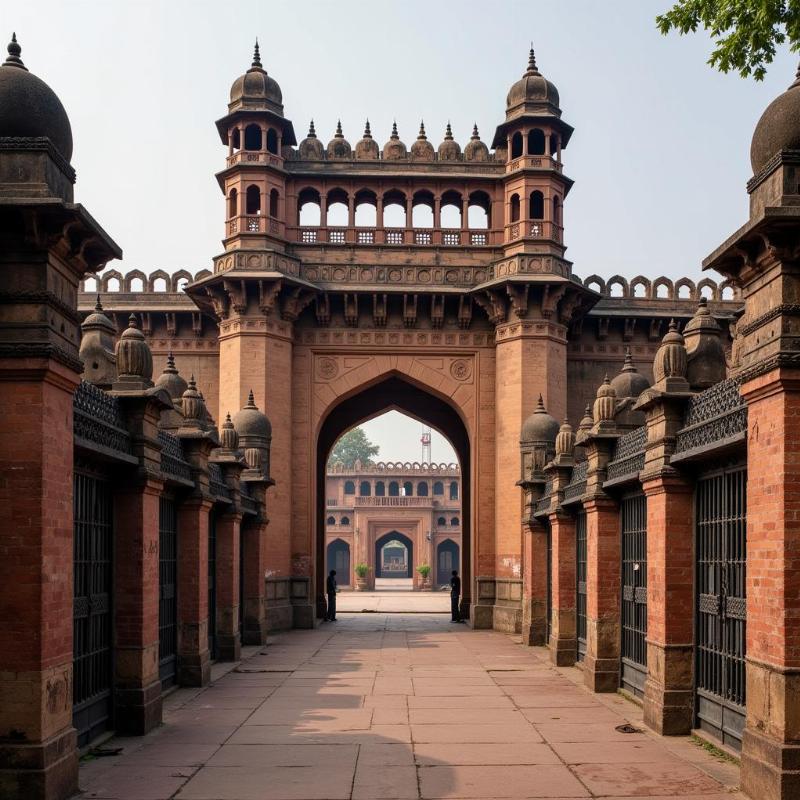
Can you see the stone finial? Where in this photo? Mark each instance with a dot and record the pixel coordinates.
(448, 132)
(395, 134)
(475, 135)
(587, 420)
(229, 438)
(256, 56)
(532, 68)
(339, 134)
(565, 441)
(671, 364)
(171, 381)
(707, 363)
(134, 357)
(312, 133)
(14, 53)
(97, 348)
(367, 131)
(605, 405)
(421, 134)
(193, 406)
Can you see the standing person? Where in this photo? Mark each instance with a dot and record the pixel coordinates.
(455, 593)
(330, 590)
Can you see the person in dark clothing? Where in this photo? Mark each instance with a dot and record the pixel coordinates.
(330, 590)
(455, 593)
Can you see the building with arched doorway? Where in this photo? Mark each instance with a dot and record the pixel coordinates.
(393, 517)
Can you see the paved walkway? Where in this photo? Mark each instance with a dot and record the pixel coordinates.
(394, 602)
(401, 706)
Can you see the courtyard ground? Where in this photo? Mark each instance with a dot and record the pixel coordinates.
(400, 706)
(394, 602)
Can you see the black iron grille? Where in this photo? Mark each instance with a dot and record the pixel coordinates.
(580, 575)
(634, 593)
(167, 592)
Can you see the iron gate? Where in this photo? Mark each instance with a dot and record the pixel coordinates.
(212, 585)
(167, 591)
(633, 670)
(92, 697)
(580, 587)
(721, 604)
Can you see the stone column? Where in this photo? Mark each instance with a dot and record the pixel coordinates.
(229, 643)
(255, 562)
(534, 594)
(563, 631)
(669, 688)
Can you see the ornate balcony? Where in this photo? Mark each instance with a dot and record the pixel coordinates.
(420, 237)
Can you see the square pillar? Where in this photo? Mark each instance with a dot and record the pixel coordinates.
(137, 687)
(534, 597)
(254, 561)
(603, 577)
(669, 687)
(563, 631)
(194, 661)
(229, 640)
(771, 742)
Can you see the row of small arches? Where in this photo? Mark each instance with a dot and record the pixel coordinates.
(136, 281)
(396, 489)
(661, 288)
(536, 207)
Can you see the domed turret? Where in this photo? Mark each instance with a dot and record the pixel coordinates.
(605, 404)
(422, 149)
(539, 426)
(532, 89)
(311, 148)
(779, 127)
(134, 358)
(339, 147)
(629, 382)
(707, 364)
(476, 150)
(537, 443)
(670, 364)
(394, 149)
(250, 422)
(367, 147)
(29, 108)
(256, 89)
(97, 348)
(449, 149)
(171, 381)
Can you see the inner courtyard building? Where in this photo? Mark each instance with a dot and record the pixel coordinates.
(625, 488)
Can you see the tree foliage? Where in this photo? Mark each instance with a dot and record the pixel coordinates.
(746, 33)
(351, 446)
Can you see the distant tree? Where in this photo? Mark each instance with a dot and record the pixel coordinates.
(353, 445)
(746, 33)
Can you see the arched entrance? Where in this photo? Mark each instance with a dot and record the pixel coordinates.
(339, 559)
(446, 561)
(394, 556)
(393, 392)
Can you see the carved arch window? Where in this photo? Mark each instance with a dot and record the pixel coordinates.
(536, 142)
(252, 137)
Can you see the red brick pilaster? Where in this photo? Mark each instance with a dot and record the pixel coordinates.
(563, 642)
(603, 575)
(137, 688)
(669, 692)
(229, 643)
(194, 664)
(38, 758)
(254, 556)
(534, 598)
(771, 743)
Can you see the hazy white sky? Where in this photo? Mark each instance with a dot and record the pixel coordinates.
(659, 155)
(399, 439)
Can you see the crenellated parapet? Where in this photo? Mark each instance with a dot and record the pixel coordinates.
(396, 467)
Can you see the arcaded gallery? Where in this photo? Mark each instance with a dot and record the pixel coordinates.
(626, 493)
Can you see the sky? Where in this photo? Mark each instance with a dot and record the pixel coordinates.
(399, 439)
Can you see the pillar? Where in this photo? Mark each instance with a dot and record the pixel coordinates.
(137, 687)
(229, 643)
(534, 591)
(771, 743)
(254, 560)
(603, 576)
(669, 687)
(563, 627)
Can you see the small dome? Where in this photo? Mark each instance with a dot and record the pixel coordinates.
(256, 89)
(97, 320)
(311, 148)
(587, 420)
(171, 381)
(251, 422)
(779, 127)
(394, 149)
(449, 149)
(367, 147)
(339, 147)
(134, 358)
(476, 150)
(629, 383)
(539, 426)
(29, 108)
(422, 149)
(532, 87)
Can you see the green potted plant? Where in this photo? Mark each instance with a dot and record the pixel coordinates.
(361, 570)
(425, 572)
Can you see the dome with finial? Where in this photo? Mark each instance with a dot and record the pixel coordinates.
(256, 89)
(134, 358)
(532, 89)
(339, 147)
(449, 149)
(539, 426)
(367, 147)
(629, 382)
(98, 321)
(476, 150)
(170, 380)
(394, 149)
(605, 404)
(311, 148)
(671, 358)
(587, 420)
(705, 352)
(228, 436)
(565, 440)
(29, 108)
(422, 149)
(250, 422)
(779, 127)
(193, 406)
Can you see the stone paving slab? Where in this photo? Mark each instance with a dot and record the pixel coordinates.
(401, 707)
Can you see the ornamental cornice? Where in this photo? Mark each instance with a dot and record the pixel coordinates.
(788, 309)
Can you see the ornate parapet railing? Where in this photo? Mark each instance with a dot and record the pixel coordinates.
(628, 460)
(249, 504)
(576, 488)
(396, 501)
(217, 485)
(541, 507)
(715, 420)
(98, 424)
(173, 465)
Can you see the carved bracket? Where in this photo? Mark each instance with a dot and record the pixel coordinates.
(379, 310)
(464, 311)
(322, 309)
(294, 303)
(268, 292)
(409, 310)
(351, 310)
(237, 294)
(519, 299)
(437, 311)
